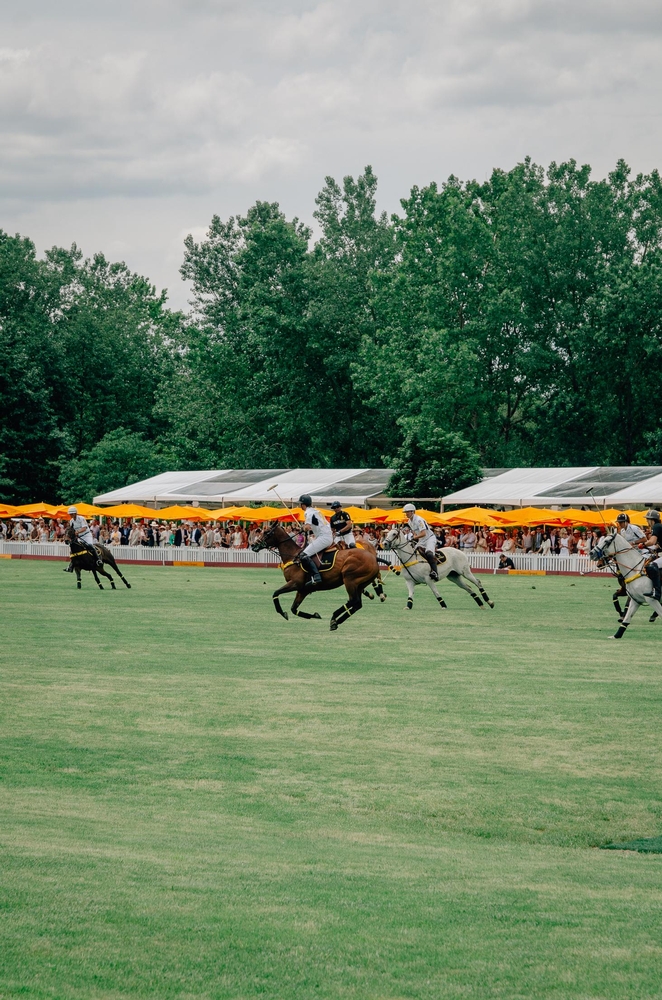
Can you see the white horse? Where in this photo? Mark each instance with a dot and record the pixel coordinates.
(415, 569)
(631, 565)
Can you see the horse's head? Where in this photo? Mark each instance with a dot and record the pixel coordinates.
(271, 536)
(70, 533)
(395, 535)
(604, 547)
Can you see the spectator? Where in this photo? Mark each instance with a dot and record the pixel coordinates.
(545, 545)
(468, 539)
(135, 535)
(505, 562)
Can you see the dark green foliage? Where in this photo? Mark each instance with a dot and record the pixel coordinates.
(119, 458)
(513, 322)
(432, 462)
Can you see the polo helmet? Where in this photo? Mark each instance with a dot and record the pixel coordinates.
(306, 499)
(623, 519)
(72, 510)
(652, 515)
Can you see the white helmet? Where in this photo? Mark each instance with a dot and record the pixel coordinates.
(409, 508)
(72, 510)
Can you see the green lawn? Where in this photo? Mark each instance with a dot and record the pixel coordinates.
(199, 799)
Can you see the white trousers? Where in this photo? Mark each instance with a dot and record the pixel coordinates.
(318, 544)
(348, 539)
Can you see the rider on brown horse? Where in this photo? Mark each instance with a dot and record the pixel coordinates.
(320, 529)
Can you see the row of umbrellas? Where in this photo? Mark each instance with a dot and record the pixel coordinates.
(477, 516)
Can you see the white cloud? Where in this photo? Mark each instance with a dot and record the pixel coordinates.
(214, 103)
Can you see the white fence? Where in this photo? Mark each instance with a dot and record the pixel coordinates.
(128, 553)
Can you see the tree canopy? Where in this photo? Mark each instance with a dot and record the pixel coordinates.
(510, 322)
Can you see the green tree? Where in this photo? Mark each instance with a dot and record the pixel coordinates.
(119, 458)
(432, 462)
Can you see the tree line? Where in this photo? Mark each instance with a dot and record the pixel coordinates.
(511, 322)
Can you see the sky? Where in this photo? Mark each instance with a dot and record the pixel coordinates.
(125, 126)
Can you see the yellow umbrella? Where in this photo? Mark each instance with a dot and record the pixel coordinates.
(472, 515)
(183, 513)
(129, 510)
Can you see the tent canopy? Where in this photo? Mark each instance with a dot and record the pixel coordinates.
(244, 486)
(563, 487)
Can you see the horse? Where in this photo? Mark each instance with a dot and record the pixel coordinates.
(355, 568)
(454, 565)
(82, 558)
(631, 565)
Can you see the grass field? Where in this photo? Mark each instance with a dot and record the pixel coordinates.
(200, 799)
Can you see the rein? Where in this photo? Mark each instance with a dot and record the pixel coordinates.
(412, 562)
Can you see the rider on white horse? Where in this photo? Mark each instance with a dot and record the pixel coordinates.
(423, 533)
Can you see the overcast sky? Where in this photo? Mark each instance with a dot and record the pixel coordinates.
(126, 125)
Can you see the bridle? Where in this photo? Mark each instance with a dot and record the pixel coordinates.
(394, 546)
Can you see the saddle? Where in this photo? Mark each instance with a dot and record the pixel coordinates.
(326, 559)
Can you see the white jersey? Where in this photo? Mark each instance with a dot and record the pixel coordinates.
(79, 523)
(317, 523)
(633, 534)
(417, 523)
(429, 539)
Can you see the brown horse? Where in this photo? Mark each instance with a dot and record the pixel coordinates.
(355, 568)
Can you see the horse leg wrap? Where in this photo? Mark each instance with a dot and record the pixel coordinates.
(279, 609)
(620, 631)
(410, 604)
(442, 602)
(477, 600)
(483, 594)
(617, 603)
(342, 614)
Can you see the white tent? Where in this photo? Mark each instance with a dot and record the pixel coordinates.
(225, 487)
(610, 485)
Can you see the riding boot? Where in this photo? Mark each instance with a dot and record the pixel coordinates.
(95, 555)
(309, 566)
(654, 574)
(432, 562)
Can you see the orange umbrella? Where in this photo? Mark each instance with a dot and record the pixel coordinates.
(129, 510)
(532, 515)
(183, 513)
(473, 515)
(398, 516)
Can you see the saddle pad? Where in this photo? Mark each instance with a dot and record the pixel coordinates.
(326, 560)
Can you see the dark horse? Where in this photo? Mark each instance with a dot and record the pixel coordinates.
(82, 558)
(355, 568)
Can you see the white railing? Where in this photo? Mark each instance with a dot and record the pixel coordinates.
(140, 553)
(144, 553)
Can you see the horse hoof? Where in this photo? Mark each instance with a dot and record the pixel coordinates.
(653, 617)
(316, 615)
(491, 603)
(382, 598)
(333, 626)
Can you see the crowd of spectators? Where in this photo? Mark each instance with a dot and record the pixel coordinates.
(235, 535)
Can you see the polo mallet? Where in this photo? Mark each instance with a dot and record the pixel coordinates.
(595, 502)
(272, 489)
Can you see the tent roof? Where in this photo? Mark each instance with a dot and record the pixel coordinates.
(242, 486)
(562, 487)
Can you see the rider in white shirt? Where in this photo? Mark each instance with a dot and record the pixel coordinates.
(422, 532)
(320, 529)
(632, 533)
(83, 534)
